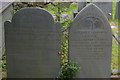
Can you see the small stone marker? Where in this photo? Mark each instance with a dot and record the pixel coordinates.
(90, 43)
(117, 9)
(32, 45)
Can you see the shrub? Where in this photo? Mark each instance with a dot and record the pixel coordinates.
(69, 71)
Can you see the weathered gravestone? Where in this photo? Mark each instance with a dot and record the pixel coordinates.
(90, 42)
(5, 14)
(105, 6)
(119, 10)
(117, 14)
(32, 43)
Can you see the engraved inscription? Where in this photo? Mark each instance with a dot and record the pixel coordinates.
(92, 43)
(92, 38)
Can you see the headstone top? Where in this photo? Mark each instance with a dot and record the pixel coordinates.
(34, 12)
(93, 16)
(88, 10)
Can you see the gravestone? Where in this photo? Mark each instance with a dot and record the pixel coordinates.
(106, 7)
(117, 14)
(5, 14)
(90, 41)
(32, 42)
(119, 10)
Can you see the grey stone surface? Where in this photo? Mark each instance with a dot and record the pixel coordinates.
(32, 44)
(117, 15)
(90, 42)
(5, 14)
(119, 10)
(106, 7)
(81, 4)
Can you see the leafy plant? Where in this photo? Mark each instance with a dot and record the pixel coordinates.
(3, 61)
(69, 71)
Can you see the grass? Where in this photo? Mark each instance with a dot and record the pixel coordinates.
(115, 23)
(114, 64)
(3, 61)
(115, 45)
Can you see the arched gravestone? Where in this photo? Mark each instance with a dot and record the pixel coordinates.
(32, 42)
(90, 42)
